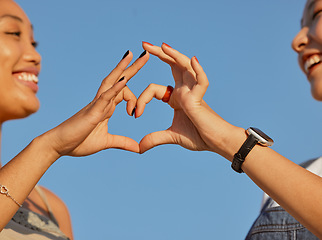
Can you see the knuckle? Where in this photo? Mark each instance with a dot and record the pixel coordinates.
(152, 86)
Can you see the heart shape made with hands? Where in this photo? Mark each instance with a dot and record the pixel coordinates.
(87, 132)
(187, 93)
(160, 119)
(135, 106)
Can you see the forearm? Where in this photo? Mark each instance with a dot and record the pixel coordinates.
(297, 190)
(22, 173)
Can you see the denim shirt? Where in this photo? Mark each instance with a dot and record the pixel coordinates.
(274, 222)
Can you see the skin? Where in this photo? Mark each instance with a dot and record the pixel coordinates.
(17, 53)
(197, 127)
(309, 41)
(83, 134)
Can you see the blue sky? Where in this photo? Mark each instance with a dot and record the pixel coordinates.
(168, 192)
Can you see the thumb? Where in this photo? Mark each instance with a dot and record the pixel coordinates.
(155, 139)
(125, 143)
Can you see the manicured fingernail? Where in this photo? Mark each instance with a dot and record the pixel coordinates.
(148, 43)
(167, 45)
(133, 111)
(127, 53)
(142, 54)
(196, 59)
(121, 79)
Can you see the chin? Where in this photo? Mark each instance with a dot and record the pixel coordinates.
(19, 113)
(27, 105)
(30, 110)
(317, 97)
(317, 93)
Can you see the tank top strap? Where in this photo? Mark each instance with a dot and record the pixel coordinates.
(44, 198)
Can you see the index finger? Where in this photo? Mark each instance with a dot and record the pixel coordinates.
(121, 71)
(158, 52)
(137, 65)
(115, 74)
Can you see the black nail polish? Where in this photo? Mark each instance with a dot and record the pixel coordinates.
(122, 78)
(127, 53)
(142, 54)
(132, 114)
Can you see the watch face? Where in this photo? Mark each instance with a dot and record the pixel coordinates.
(262, 138)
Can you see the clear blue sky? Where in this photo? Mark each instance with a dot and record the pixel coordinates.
(168, 192)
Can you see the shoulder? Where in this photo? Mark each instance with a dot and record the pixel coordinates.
(60, 211)
(54, 201)
(314, 166)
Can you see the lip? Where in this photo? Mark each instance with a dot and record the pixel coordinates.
(31, 70)
(305, 57)
(29, 81)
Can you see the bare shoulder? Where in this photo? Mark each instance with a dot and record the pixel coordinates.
(60, 211)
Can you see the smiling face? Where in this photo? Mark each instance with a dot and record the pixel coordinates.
(308, 44)
(19, 63)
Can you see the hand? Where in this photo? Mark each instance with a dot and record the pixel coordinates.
(86, 132)
(195, 125)
(190, 86)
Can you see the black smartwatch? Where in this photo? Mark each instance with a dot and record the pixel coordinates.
(255, 136)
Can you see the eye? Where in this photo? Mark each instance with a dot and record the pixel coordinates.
(35, 44)
(315, 14)
(14, 33)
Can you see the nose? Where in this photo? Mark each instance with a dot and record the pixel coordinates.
(32, 55)
(300, 40)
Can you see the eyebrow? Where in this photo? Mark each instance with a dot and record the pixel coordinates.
(14, 17)
(11, 16)
(308, 9)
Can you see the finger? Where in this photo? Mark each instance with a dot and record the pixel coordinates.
(180, 59)
(202, 81)
(131, 100)
(115, 74)
(137, 65)
(158, 52)
(122, 142)
(155, 139)
(104, 99)
(152, 91)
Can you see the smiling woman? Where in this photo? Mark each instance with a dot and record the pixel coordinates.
(20, 64)
(29, 211)
(308, 44)
(296, 211)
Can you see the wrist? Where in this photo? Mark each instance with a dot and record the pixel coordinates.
(229, 140)
(45, 148)
(219, 135)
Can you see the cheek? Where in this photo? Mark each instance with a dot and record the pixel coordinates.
(10, 55)
(16, 101)
(317, 30)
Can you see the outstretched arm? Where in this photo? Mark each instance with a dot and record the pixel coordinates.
(197, 127)
(83, 134)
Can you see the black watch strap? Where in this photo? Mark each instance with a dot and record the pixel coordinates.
(240, 156)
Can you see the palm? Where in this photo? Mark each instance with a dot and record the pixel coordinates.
(185, 133)
(186, 100)
(183, 96)
(99, 138)
(96, 141)
(86, 132)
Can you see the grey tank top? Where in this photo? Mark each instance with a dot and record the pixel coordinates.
(28, 225)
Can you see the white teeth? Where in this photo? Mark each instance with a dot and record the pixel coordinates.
(28, 77)
(314, 59)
